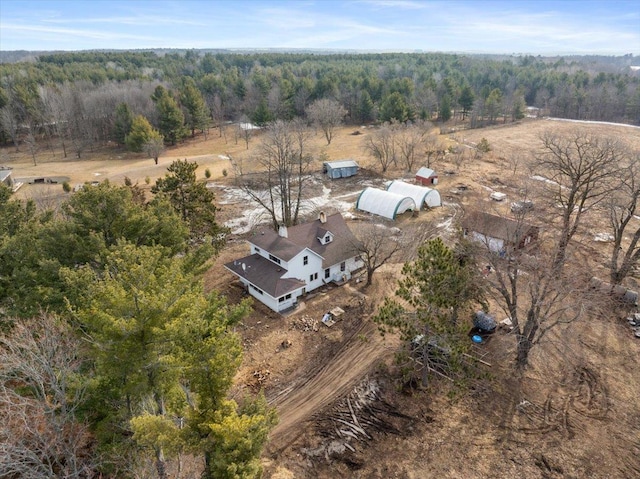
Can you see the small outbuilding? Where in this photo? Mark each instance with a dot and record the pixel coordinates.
(5, 177)
(426, 176)
(340, 169)
(384, 203)
(497, 233)
(421, 194)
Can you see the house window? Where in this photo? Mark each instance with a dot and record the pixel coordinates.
(257, 249)
(327, 239)
(274, 259)
(313, 276)
(327, 273)
(305, 260)
(256, 289)
(343, 266)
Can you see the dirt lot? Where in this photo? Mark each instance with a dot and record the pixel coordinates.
(577, 416)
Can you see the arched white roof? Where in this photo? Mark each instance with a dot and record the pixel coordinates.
(384, 203)
(420, 194)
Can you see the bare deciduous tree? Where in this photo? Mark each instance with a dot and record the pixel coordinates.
(283, 169)
(623, 207)
(9, 123)
(39, 395)
(381, 145)
(154, 146)
(326, 114)
(413, 140)
(535, 289)
(536, 296)
(378, 244)
(580, 168)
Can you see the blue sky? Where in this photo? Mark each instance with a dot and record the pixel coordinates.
(545, 27)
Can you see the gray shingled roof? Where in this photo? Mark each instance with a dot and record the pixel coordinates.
(264, 274)
(496, 226)
(306, 235)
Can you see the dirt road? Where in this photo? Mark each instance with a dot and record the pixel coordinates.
(335, 378)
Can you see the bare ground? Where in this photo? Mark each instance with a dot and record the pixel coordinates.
(575, 416)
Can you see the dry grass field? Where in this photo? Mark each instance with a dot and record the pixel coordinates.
(576, 414)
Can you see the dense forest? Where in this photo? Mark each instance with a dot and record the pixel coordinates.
(87, 98)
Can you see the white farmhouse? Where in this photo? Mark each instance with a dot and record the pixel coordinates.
(286, 265)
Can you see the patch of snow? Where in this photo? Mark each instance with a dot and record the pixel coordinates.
(97, 174)
(542, 178)
(224, 157)
(446, 224)
(603, 237)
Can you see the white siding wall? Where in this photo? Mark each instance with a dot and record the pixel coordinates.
(350, 265)
(496, 245)
(263, 298)
(297, 269)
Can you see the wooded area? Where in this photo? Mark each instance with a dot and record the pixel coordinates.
(86, 99)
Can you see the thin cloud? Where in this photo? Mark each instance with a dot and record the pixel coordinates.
(142, 20)
(71, 32)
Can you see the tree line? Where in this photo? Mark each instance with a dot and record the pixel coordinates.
(85, 98)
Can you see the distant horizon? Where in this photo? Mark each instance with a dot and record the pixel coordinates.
(327, 51)
(487, 27)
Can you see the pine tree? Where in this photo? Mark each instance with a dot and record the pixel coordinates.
(197, 111)
(140, 132)
(171, 118)
(261, 116)
(444, 114)
(122, 123)
(466, 100)
(365, 107)
(433, 291)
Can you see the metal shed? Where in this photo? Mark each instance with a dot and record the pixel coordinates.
(384, 203)
(5, 177)
(420, 194)
(340, 169)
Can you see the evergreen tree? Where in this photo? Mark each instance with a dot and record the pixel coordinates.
(365, 107)
(140, 133)
(197, 112)
(434, 290)
(164, 352)
(444, 113)
(466, 100)
(261, 116)
(191, 199)
(171, 118)
(394, 107)
(122, 123)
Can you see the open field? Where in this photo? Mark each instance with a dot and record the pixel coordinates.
(577, 416)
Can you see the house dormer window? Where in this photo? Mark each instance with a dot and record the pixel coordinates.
(274, 259)
(327, 238)
(305, 260)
